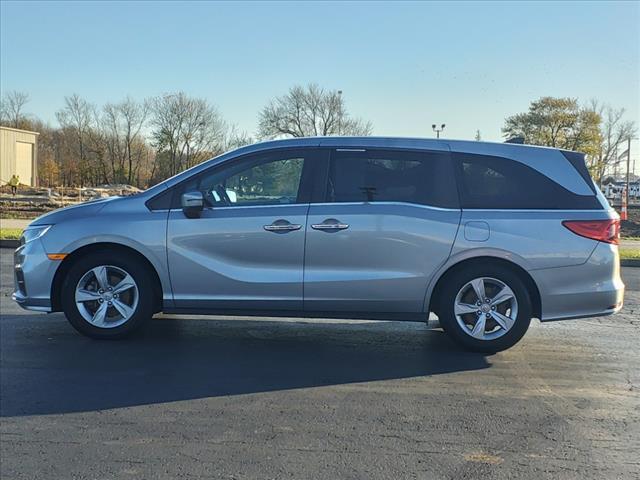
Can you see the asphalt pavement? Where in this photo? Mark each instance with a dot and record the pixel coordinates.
(215, 397)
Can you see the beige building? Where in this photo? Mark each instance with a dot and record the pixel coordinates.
(19, 155)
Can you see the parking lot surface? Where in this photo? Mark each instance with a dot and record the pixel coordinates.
(214, 397)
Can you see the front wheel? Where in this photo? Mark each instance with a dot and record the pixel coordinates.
(485, 308)
(105, 295)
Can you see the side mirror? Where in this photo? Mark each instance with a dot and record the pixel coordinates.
(192, 204)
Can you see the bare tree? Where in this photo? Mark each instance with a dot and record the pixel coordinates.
(12, 109)
(122, 125)
(77, 117)
(233, 138)
(309, 111)
(185, 131)
(615, 131)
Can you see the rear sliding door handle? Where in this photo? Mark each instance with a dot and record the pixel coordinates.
(330, 224)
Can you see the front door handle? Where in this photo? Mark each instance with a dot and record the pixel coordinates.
(330, 224)
(282, 226)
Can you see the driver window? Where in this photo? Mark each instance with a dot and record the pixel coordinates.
(266, 183)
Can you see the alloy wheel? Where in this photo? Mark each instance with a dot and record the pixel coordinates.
(106, 296)
(485, 308)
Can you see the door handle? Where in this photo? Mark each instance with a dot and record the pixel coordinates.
(330, 224)
(282, 226)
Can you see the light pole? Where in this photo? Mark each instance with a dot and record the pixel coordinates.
(340, 112)
(438, 130)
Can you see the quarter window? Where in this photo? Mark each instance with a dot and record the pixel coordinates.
(392, 176)
(496, 182)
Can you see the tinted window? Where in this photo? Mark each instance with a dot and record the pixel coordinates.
(273, 179)
(391, 176)
(495, 182)
(161, 201)
(273, 182)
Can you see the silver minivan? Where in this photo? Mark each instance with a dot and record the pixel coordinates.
(484, 235)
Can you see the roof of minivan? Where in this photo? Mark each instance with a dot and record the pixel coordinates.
(397, 142)
(549, 161)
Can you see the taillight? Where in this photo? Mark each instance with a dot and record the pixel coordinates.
(602, 230)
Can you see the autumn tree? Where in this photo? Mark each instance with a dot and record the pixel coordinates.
(48, 153)
(557, 122)
(309, 111)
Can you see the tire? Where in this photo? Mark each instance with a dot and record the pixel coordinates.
(130, 306)
(459, 293)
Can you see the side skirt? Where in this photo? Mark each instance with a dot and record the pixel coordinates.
(385, 316)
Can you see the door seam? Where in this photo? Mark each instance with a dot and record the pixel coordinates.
(304, 253)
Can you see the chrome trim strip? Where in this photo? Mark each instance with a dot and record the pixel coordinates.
(277, 205)
(417, 205)
(538, 210)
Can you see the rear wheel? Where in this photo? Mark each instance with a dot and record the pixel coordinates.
(106, 295)
(485, 308)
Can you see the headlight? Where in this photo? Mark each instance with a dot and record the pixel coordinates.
(31, 233)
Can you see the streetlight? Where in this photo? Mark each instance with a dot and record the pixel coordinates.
(438, 130)
(340, 112)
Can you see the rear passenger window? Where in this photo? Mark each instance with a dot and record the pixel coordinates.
(392, 176)
(496, 182)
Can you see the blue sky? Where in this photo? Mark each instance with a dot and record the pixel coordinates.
(403, 66)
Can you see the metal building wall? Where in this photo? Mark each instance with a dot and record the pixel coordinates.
(9, 139)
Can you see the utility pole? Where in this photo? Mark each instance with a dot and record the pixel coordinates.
(628, 162)
(438, 130)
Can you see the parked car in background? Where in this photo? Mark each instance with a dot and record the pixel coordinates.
(615, 190)
(485, 235)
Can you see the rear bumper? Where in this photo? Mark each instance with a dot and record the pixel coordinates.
(33, 276)
(592, 289)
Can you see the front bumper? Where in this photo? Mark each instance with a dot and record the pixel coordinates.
(33, 277)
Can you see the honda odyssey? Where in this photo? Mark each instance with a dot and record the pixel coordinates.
(485, 235)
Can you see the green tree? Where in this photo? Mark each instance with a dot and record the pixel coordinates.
(557, 122)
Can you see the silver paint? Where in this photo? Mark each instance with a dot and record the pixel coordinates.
(377, 257)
